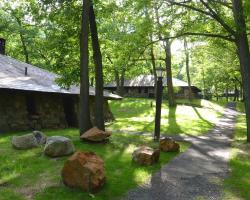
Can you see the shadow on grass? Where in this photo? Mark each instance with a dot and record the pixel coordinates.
(32, 168)
(199, 115)
(192, 102)
(173, 126)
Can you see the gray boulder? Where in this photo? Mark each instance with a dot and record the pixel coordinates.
(27, 141)
(40, 137)
(57, 146)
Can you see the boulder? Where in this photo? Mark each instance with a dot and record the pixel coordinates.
(84, 170)
(26, 141)
(95, 135)
(146, 155)
(40, 137)
(57, 146)
(169, 145)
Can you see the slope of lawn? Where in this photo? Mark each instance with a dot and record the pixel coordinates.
(28, 174)
(237, 186)
(137, 115)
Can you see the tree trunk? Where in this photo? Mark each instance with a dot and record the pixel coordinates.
(190, 94)
(120, 88)
(154, 67)
(84, 112)
(244, 56)
(171, 98)
(227, 93)
(99, 100)
(117, 79)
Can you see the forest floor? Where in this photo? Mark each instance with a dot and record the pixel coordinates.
(31, 175)
(199, 172)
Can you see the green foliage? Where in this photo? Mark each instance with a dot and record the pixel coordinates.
(127, 31)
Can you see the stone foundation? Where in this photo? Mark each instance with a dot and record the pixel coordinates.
(21, 110)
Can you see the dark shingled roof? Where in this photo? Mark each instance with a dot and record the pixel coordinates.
(12, 76)
(148, 81)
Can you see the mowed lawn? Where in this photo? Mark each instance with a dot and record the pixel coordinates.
(137, 115)
(237, 186)
(28, 174)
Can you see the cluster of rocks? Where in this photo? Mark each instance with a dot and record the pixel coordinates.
(145, 155)
(55, 146)
(84, 170)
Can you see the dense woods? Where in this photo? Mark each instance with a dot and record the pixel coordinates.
(202, 42)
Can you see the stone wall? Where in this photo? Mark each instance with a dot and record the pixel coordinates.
(50, 111)
(13, 113)
(20, 110)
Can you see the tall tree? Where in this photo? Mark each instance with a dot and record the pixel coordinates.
(84, 118)
(216, 10)
(168, 57)
(187, 68)
(241, 41)
(99, 100)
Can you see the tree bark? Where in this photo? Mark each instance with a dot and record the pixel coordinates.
(244, 56)
(190, 94)
(99, 99)
(171, 98)
(117, 78)
(153, 67)
(84, 112)
(120, 87)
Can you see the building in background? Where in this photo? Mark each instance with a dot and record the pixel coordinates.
(30, 98)
(143, 86)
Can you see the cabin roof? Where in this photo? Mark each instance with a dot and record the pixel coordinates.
(12, 76)
(148, 81)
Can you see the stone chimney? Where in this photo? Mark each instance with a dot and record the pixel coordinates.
(2, 46)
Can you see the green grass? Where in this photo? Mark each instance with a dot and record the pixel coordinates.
(31, 175)
(28, 174)
(238, 184)
(241, 107)
(137, 115)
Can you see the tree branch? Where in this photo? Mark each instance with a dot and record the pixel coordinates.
(189, 7)
(211, 13)
(225, 37)
(218, 18)
(228, 5)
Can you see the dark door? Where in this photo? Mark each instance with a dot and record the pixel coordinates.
(69, 110)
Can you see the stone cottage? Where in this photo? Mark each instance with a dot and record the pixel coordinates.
(143, 86)
(31, 99)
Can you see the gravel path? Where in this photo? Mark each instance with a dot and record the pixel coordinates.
(198, 172)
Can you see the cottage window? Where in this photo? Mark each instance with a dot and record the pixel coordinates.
(139, 90)
(145, 90)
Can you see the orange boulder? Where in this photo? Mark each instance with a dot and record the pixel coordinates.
(84, 170)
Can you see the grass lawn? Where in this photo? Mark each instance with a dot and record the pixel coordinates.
(237, 186)
(28, 174)
(137, 115)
